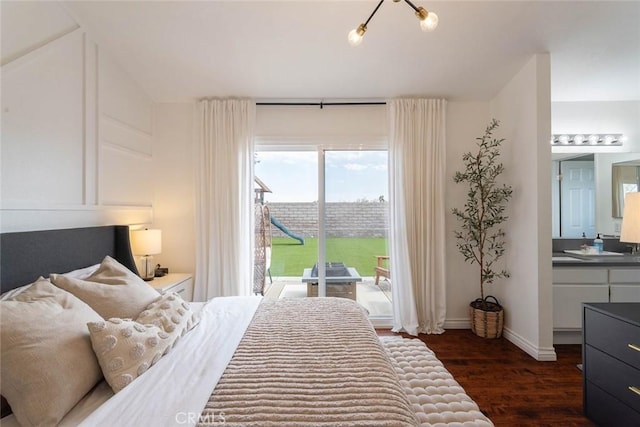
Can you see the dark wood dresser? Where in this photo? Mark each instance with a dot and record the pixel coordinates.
(611, 363)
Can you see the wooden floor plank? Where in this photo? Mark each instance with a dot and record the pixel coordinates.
(511, 387)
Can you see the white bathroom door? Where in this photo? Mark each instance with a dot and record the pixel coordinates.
(578, 207)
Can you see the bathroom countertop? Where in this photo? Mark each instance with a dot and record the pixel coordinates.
(562, 259)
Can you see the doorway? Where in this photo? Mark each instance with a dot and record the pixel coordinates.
(327, 206)
(575, 211)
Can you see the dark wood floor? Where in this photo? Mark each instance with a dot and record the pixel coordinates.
(509, 386)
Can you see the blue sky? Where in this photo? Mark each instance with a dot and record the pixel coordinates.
(350, 175)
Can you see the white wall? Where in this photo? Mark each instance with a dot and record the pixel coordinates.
(465, 123)
(602, 117)
(174, 185)
(76, 131)
(523, 107)
(333, 126)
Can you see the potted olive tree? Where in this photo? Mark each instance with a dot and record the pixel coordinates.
(480, 239)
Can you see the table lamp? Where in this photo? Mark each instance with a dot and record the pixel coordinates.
(146, 243)
(630, 231)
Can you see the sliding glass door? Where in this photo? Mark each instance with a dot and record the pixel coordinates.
(356, 227)
(329, 224)
(287, 184)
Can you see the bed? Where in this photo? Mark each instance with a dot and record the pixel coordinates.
(235, 361)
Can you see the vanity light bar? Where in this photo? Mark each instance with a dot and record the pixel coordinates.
(610, 139)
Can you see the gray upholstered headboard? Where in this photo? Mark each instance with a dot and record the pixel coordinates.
(26, 255)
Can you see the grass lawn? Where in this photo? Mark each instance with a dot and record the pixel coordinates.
(290, 258)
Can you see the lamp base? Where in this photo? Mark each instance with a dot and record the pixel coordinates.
(148, 271)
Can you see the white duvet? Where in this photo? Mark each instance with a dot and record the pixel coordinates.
(175, 390)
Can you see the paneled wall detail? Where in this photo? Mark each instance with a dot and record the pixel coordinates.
(125, 138)
(42, 133)
(76, 131)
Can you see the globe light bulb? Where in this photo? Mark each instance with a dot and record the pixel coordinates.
(430, 22)
(356, 35)
(608, 139)
(564, 139)
(578, 139)
(593, 139)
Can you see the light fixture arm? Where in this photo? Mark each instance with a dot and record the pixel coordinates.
(413, 6)
(373, 13)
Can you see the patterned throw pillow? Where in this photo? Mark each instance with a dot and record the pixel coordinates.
(126, 348)
(171, 314)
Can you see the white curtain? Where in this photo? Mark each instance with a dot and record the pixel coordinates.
(417, 219)
(224, 198)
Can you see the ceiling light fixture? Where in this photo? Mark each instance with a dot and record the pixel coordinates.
(428, 22)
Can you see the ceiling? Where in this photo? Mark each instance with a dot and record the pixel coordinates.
(297, 49)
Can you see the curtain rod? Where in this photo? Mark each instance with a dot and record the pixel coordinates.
(320, 104)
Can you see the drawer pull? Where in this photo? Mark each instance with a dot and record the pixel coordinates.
(636, 390)
(635, 347)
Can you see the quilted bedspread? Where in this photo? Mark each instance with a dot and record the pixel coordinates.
(310, 361)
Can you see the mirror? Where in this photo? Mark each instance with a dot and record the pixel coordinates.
(603, 214)
(625, 178)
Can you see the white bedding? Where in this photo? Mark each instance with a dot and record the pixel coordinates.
(194, 367)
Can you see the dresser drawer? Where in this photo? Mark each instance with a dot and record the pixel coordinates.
(607, 411)
(613, 376)
(613, 336)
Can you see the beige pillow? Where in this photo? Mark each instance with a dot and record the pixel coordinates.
(126, 349)
(47, 361)
(112, 291)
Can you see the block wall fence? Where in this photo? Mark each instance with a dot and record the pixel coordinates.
(344, 219)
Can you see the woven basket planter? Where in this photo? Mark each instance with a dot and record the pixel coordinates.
(487, 318)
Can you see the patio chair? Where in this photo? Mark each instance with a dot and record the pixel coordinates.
(380, 269)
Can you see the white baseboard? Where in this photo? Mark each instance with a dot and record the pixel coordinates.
(464, 323)
(567, 337)
(539, 353)
(381, 323)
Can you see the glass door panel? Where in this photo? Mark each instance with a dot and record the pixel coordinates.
(287, 183)
(329, 219)
(356, 212)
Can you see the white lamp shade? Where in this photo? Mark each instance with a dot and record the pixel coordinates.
(630, 231)
(146, 242)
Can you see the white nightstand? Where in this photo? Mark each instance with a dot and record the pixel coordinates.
(181, 283)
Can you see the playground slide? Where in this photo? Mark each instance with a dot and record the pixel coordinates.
(286, 231)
